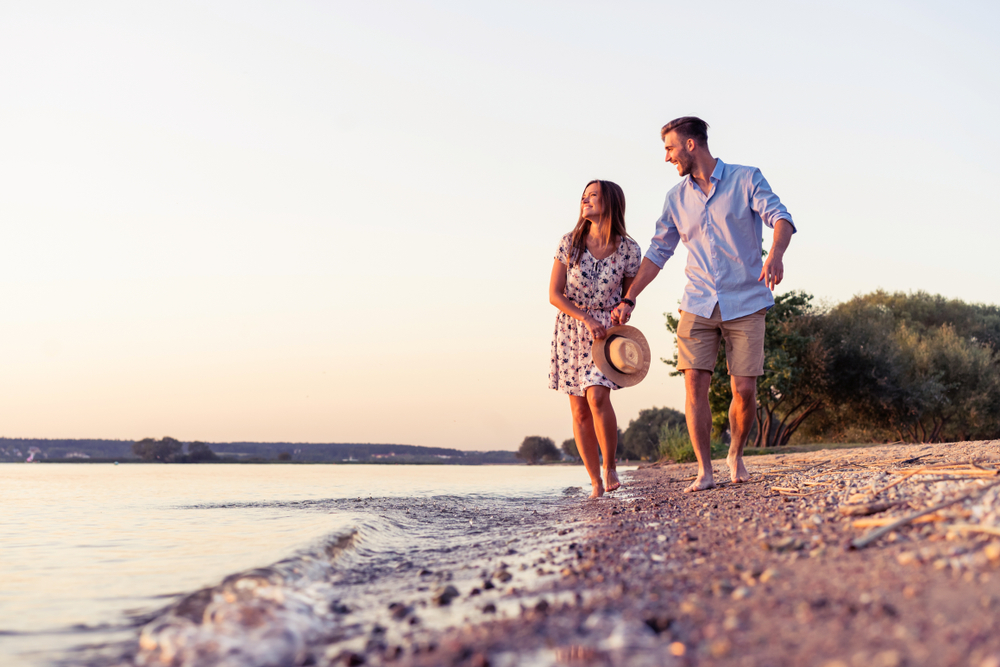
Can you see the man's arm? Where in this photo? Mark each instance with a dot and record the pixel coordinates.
(647, 271)
(774, 269)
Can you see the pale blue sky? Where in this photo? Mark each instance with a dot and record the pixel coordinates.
(335, 221)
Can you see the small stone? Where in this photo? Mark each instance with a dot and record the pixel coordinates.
(767, 575)
(445, 595)
(490, 608)
(678, 649)
(906, 557)
(503, 576)
(542, 607)
(488, 585)
(992, 551)
(720, 648)
(741, 593)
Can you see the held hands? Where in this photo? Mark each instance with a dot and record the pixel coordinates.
(621, 313)
(773, 270)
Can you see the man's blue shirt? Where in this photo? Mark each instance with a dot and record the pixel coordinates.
(722, 232)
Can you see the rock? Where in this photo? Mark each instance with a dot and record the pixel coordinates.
(444, 596)
(542, 607)
(659, 623)
(503, 576)
(565, 531)
(490, 608)
(992, 551)
(488, 585)
(741, 593)
(400, 610)
(338, 608)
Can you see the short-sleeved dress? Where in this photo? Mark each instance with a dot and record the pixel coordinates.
(595, 286)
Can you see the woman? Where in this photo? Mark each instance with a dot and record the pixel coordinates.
(595, 262)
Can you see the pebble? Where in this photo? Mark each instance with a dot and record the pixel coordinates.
(444, 596)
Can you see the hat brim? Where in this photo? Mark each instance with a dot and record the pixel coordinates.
(599, 352)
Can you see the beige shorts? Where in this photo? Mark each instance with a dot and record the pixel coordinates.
(698, 342)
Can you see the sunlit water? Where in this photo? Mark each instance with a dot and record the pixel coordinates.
(93, 554)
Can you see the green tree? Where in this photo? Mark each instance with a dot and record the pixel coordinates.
(641, 440)
(793, 385)
(535, 449)
(164, 450)
(569, 449)
(199, 452)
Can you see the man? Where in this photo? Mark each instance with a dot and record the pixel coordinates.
(716, 211)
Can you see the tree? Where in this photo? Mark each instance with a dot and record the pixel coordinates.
(570, 450)
(792, 387)
(535, 449)
(165, 450)
(199, 452)
(641, 440)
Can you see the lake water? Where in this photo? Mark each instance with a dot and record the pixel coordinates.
(129, 564)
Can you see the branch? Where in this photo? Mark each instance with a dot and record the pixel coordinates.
(863, 542)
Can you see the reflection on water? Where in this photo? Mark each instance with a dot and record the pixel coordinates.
(96, 544)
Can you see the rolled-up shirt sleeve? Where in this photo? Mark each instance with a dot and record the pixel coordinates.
(664, 242)
(766, 204)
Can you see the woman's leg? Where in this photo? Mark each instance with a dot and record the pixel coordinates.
(606, 426)
(586, 442)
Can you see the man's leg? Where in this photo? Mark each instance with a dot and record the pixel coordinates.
(699, 422)
(742, 412)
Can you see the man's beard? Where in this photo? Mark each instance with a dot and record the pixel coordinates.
(686, 161)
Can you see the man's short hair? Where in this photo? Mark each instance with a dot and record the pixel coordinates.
(687, 127)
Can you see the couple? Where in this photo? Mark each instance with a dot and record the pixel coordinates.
(716, 211)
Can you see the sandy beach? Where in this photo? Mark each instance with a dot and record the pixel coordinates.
(772, 572)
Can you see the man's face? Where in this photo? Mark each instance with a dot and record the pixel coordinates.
(677, 153)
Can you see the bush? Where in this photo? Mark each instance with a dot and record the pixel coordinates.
(535, 449)
(676, 446)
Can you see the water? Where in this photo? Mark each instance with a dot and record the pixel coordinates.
(134, 564)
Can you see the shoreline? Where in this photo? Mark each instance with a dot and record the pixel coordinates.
(752, 574)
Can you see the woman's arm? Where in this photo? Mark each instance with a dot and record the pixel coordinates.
(557, 297)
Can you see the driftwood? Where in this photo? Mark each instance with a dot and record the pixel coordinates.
(863, 542)
(865, 509)
(974, 528)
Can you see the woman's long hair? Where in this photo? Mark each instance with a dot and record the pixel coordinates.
(613, 205)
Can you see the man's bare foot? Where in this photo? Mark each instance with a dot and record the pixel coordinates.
(737, 471)
(598, 489)
(701, 483)
(611, 479)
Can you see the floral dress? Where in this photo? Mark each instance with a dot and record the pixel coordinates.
(594, 285)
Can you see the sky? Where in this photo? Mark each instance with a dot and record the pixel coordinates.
(335, 221)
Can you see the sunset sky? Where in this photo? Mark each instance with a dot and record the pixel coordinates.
(335, 221)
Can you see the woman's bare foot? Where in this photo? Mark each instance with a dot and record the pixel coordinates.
(611, 479)
(598, 489)
(737, 471)
(701, 483)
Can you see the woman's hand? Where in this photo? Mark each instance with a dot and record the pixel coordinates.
(621, 313)
(596, 328)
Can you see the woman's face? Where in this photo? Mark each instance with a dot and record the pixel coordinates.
(590, 203)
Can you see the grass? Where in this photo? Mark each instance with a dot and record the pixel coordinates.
(676, 445)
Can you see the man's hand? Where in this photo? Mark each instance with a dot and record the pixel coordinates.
(773, 271)
(621, 313)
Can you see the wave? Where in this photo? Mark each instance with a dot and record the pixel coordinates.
(392, 556)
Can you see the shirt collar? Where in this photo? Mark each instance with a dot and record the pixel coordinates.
(718, 171)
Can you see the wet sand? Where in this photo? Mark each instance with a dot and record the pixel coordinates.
(752, 574)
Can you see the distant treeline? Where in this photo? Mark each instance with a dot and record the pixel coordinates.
(19, 449)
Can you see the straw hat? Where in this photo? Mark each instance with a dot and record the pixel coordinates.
(622, 355)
